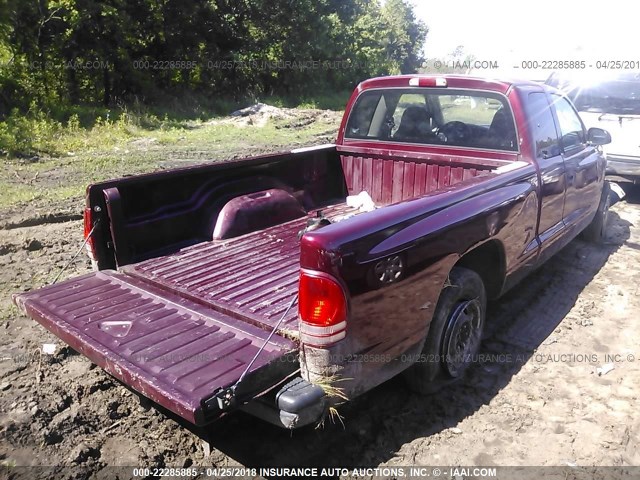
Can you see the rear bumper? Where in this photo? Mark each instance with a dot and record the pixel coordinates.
(624, 166)
(296, 404)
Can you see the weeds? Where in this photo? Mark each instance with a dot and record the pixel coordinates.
(56, 131)
(333, 414)
(327, 384)
(290, 334)
(86, 145)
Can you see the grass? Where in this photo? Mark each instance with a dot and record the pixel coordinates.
(334, 414)
(327, 383)
(11, 195)
(336, 395)
(50, 159)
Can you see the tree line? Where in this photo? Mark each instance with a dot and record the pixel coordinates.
(108, 52)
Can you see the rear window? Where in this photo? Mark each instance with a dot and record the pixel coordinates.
(434, 117)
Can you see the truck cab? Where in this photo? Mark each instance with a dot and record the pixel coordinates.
(609, 100)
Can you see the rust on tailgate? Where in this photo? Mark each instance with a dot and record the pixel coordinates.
(174, 351)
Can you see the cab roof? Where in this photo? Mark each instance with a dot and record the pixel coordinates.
(451, 81)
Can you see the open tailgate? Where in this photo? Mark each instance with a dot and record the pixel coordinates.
(173, 351)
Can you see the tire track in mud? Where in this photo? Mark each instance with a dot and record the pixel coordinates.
(41, 220)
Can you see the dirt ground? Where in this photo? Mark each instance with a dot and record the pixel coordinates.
(542, 392)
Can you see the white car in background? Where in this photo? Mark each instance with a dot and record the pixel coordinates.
(609, 100)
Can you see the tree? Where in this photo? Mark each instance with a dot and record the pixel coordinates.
(68, 52)
(406, 36)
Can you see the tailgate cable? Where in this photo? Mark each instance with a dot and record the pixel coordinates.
(95, 224)
(226, 397)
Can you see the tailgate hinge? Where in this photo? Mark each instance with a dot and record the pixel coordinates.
(224, 399)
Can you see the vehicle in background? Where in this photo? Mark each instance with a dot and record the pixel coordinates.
(609, 100)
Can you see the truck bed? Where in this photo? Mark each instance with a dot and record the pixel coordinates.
(181, 327)
(253, 276)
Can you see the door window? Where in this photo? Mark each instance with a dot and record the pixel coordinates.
(571, 128)
(543, 125)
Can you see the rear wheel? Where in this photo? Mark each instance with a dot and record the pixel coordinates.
(454, 335)
(597, 229)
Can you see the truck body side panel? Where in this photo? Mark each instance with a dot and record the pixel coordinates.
(387, 326)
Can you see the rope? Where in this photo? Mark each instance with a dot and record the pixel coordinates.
(246, 370)
(95, 224)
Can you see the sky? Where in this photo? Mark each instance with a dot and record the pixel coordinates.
(511, 32)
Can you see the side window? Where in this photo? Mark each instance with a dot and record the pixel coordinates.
(543, 126)
(569, 122)
(362, 122)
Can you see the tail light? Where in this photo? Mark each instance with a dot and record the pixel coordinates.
(88, 226)
(322, 308)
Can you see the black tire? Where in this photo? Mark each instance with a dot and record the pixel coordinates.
(454, 336)
(597, 229)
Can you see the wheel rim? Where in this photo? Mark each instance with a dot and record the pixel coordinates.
(462, 336)
(389, 270)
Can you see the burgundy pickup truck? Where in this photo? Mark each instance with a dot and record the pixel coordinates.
(284, 284)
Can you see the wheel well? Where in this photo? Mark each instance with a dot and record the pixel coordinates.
(487, 260)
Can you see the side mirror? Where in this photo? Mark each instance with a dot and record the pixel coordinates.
(598, 136)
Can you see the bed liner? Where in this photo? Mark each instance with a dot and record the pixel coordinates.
(254, 276)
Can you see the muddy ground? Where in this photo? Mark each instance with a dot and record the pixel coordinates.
(538, 394)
